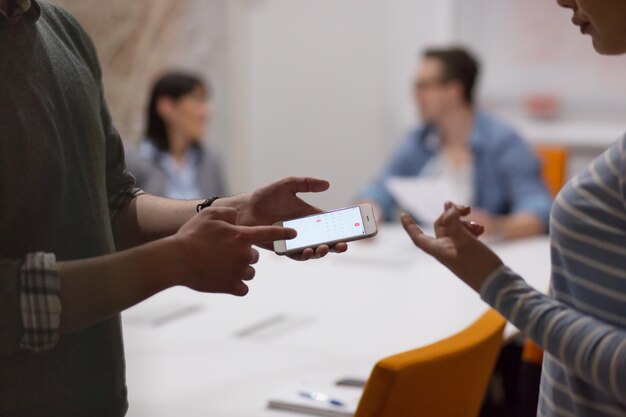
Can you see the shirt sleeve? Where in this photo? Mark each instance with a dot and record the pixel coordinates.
(522, 172)
(30, 303)
(120, 183)
(399, 165)
(40, 302)
(590, 348)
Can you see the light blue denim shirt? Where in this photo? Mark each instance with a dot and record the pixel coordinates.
(507, 173)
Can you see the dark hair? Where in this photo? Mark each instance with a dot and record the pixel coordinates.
(458, 65)
(173, 85)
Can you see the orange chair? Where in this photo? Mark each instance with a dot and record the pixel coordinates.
(532, 353)
(554, 166)
(446, 379)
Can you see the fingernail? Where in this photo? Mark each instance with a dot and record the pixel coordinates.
(447, 205)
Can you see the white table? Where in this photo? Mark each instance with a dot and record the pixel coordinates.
(333, 318)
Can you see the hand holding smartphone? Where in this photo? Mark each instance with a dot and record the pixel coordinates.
(342, 225)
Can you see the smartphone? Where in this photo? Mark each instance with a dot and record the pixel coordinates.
(342, 225)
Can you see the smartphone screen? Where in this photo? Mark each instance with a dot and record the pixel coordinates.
(326, 227)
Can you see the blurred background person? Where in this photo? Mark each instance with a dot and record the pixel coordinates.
(171, 161)
(487, 161)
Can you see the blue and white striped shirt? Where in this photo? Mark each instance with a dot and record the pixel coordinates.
(582, 325)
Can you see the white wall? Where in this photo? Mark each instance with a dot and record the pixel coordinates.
(531, 47)
(320, 87)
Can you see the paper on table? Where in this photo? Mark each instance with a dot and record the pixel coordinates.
(424, 197)
(290, 399)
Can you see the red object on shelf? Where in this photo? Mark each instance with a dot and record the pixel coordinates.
(542, 106)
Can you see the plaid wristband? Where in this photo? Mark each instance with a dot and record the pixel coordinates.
(40, 302)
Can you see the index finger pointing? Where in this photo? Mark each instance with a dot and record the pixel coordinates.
(262, 234)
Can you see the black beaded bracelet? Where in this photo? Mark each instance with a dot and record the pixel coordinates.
(206, 203)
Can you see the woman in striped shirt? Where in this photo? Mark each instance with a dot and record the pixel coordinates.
(582, 325)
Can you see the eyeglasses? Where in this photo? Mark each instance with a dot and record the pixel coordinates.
(421, 85)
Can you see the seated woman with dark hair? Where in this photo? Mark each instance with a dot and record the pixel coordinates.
(172, 161)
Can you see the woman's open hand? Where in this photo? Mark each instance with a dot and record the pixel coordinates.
(456, 245)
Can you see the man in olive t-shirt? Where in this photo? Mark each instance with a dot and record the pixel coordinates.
(68, 207)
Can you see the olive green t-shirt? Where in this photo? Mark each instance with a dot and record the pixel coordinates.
(62, 177)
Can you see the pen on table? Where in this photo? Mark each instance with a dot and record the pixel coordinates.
(320, 396)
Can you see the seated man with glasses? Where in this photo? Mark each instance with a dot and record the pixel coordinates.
(486, 160)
